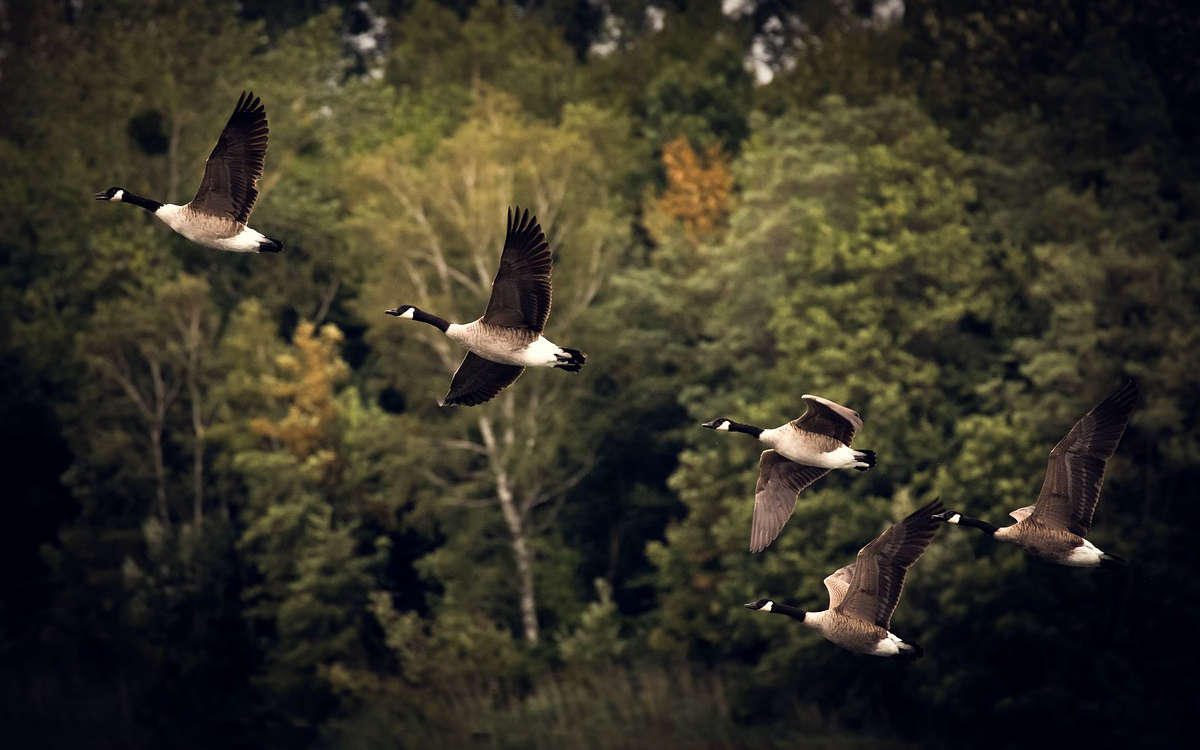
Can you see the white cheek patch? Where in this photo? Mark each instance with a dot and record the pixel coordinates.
(768, 606)
(409, 313)
(119, 195)
(954, 518)
(724, 427)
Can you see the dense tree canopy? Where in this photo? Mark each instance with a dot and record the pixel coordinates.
(234, 511)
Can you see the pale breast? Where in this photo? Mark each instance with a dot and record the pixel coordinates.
(496, 343)
(203, 228)
(809, 448)
(850, 633)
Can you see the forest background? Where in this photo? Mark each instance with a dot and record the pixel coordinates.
(235, 516)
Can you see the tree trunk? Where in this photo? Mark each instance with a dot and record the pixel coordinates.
(198, 474)
(173, 159)
(162, 401)
(524, 560)
(160, 473)
(197, 440)
(514, 518)
(525, 576)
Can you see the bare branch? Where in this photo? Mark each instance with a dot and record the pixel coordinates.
(453, 502)
(464, 445)
(121, 377)
(538, 498)
(326, 300)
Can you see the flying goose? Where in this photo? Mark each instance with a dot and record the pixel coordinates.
(508, 338)
(802, 451)
(863, 595)
(1053, 528)
(217, 216)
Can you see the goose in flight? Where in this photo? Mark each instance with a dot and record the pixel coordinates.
(217, 216)
(1054, 527)
(801, 452)
(508, 338)
(863, 595)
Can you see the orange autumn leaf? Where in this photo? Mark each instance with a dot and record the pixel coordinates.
(698, 189)
(308, 386)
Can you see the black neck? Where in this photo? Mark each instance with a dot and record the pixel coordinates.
(975, 523)
(137, 200)
(440, 323)
(749, 429)
(782, 609)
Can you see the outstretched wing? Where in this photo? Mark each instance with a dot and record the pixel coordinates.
(826, 417)
(1075, 470)
(881, 566)
(779, 482)
(837, 584)
(1020, 514)
(478, 380)
(230, 185)
(521, 290)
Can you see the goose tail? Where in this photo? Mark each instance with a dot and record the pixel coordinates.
(865, 457)
(270, 245)
(571, 360)
(1108, 560)
(910, 651)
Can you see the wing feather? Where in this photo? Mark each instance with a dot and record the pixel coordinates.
(521, 292)
(780, 481)
(230, 185)
(826, 417)
(1075, 469)
(881, 566)
(1020, 514)
(837, 584)
(478, 380)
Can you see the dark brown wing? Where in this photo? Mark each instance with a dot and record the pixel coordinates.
(779, 482)
(826, 417)
(478, 380)
(1075, 470)
(521, 289)
(230, 185)
(880, 567)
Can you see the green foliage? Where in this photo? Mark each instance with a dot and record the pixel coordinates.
(446, 60)
(597, 639)
(304, 532)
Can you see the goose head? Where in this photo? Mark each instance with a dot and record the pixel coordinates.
(720, 423)
(949, 516)
(403, 311)
(762, 605)
(112, 194)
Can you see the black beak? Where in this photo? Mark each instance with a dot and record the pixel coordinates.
(751, 605)
(393, 311)
(711, 425)
(101, 196)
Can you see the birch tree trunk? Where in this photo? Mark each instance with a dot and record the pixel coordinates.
(160, 473)
(524, 560)
(443, 225)
(197, 453)
(496, 448)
